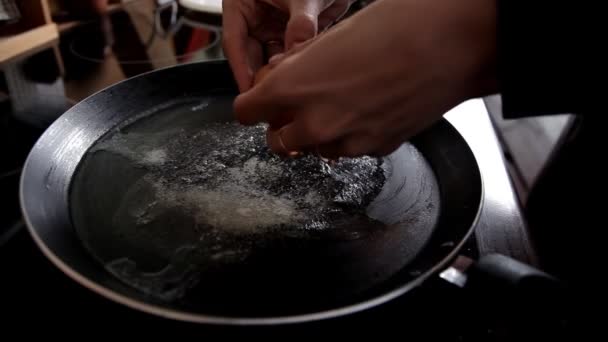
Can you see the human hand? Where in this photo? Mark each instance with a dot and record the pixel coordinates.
(376, 79)
(254, 30)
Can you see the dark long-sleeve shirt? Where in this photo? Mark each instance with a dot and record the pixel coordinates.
(551, 60)
(551, 57)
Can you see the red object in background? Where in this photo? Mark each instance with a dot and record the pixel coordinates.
(99, 6)
(199, 39)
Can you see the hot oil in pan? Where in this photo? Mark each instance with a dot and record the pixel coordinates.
(197, 209)
(228, 180)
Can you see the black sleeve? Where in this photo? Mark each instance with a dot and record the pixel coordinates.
(549, 57)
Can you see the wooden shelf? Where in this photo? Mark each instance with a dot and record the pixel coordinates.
(28, 42)
(69, 25)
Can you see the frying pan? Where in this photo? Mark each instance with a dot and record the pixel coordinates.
(71, 196)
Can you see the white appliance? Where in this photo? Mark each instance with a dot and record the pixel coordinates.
(207, 6)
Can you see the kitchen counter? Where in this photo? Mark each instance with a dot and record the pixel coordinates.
(501, 227)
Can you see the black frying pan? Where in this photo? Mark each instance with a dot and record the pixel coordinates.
(429, 205)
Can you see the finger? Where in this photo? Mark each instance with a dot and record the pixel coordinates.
(274, 139)
(352, 145)
(259, 104)
(333, 13)
(303, 135)
(280, 120)
(236, 44)
(395, 140)
(331, 151)
(275, 121)
(278, 58)
(302, 24)
(274, 48)
(254, 56)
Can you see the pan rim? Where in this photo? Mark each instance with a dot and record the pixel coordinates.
(192, 317)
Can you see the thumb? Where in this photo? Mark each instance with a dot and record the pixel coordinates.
(303, 24)
(280, 57)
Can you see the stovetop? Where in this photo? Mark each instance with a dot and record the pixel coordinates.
(98, 53)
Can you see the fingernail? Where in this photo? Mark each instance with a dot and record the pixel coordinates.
(276, 58)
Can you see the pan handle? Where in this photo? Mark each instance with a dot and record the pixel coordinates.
(532, 301)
